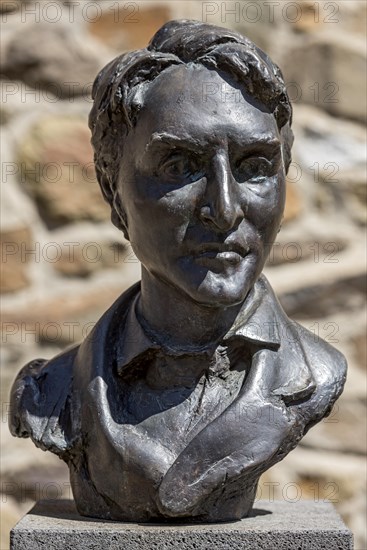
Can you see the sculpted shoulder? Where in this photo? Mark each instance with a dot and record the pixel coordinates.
(308, 368)
(45, 396)
(310, 373)
(328, 369)
(328, 363)
(40, 402)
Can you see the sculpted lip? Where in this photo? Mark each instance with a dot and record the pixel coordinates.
(207, 253)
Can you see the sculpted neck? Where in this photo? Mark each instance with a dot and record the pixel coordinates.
(177, 320)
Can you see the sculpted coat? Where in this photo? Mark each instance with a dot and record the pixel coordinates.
(206, 449)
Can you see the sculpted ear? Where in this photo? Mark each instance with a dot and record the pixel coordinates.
(110, 195)
(287, 142)
(118, 215)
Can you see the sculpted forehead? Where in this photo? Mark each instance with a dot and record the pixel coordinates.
(191, 99)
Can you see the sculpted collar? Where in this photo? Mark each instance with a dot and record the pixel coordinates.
(256, 322)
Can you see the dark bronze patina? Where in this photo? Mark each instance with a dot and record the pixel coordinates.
(195, 381)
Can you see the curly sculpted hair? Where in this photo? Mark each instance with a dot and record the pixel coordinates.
(117, 100)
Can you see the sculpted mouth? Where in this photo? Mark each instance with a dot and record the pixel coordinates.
(208, 253)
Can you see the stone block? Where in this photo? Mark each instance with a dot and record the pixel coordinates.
(304, 525)
(56, 166)
(328, 71)
(61, 58)
(14, 269)
(131, 26)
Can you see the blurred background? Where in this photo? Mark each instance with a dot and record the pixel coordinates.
(63, 263)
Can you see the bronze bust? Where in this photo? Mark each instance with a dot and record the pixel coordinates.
(195, 381)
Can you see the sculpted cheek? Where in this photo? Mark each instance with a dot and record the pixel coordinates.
(179, 204)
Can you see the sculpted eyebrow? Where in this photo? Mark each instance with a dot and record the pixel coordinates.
(198, 147)
(266, 142)
(174, 141)
(268, 147)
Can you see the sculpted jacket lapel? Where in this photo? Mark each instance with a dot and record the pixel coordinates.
(254, 430)
(236, 444)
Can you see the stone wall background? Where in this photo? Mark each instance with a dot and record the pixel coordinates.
(63, 263)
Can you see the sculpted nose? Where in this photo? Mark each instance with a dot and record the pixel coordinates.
(220, 207)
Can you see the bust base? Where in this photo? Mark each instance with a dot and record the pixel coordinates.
(304, 525)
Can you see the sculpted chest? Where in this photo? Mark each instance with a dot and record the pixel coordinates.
(165, 407)
(164, 451)
(172, 437)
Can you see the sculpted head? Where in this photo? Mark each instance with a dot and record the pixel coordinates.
(192, 143)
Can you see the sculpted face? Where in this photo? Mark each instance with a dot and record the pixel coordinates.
(203, 185)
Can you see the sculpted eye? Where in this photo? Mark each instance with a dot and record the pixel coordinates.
(176, 166)
(179, 167)
(253, 170)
